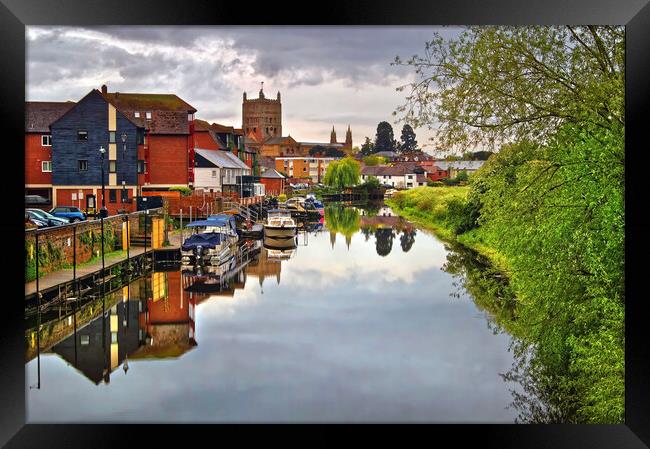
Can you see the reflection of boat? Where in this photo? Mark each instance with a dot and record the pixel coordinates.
(211, 241)
(279, 224)
(279, 243)
(280, 254)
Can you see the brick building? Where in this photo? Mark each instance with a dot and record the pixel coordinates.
(39, 115)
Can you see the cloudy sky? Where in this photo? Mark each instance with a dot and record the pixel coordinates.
(327, 75)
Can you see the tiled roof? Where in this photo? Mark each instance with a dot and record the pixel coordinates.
(221, 159)
(201, 125)
(275, 140)
(385, 154)
(40, 114)
(460, 165)
(168, 112)
(386, 170)
(271, 173)
(216, 127)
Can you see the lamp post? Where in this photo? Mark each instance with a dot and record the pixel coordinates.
(103, 212)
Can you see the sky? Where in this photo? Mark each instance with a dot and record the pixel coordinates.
(327, 76)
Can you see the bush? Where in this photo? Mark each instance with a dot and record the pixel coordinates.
(282, 198)
(435, 183)
(185, 191)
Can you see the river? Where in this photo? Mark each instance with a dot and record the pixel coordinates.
(367, 320)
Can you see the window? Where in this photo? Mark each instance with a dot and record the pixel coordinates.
(190, 117)
(148, 115)
(111, 137)
(125, 196)
(83, 164)
(46, 166)
(46, 141)
(140, 137)
(112, 166)
(410, 176)
(214, 173)
(82, 135)
(112, 197)
(136, 114)
(140, 166)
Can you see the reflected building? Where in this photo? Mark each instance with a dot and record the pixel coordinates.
(100, 347)
(264, 267)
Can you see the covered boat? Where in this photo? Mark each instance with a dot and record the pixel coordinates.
(211, 241)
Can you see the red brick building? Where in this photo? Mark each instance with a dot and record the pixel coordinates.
(38, 145)
(165, 158)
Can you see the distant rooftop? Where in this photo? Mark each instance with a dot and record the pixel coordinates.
(40, 114)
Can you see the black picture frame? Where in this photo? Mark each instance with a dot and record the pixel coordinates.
(634, 14)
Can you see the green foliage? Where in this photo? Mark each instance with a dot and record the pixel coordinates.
(374, 160)
(344, 220)
(185, 191)
(431, 183)
(497, 84)
(371, 184)
(282, 198)
(384, 139)
(368, 147)
(462, 177)
(408, 142)
(343, 173)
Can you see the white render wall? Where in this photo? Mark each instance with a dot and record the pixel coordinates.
(203, 179)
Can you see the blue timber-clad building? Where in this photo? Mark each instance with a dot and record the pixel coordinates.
(77, 136)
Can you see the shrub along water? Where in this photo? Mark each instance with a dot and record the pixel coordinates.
(553, 218)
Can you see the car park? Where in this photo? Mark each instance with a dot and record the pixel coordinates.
(48, 218)
(34, 222)
(71, 213)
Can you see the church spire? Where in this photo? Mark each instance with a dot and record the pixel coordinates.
(348, 138)
(333, 136)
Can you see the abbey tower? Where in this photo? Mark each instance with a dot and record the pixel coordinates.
(262, 116)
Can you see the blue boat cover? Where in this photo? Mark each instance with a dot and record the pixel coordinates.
(218, 220)
(205, 240)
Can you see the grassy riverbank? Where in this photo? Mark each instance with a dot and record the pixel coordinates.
(429, 207)
(572, 322)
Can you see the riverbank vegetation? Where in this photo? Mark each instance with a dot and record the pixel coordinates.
(548, 206)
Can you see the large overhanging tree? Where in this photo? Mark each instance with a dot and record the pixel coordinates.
(496, 85)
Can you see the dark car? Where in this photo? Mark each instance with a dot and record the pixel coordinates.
(71, 213)
(50, 219)
(36, 200)
(34, 222)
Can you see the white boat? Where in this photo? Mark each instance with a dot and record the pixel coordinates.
(279, 224)
(212, 241)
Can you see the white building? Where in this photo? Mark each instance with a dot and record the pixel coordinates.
(400, 176)
(217, 170)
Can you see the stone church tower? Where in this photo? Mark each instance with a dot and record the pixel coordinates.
(262, 116)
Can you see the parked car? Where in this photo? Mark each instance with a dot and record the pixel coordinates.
(71, 213)
(34, 222)
(36, 200)
(48, 218)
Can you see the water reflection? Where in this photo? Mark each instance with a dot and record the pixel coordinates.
(359, 329)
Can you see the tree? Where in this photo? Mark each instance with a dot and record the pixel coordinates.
(408, 142)
(333, 152)
(384, 241)
(384, 139)
(495, 85)
(316, 150)
(374, 160)
(343, 173)
(368, 147)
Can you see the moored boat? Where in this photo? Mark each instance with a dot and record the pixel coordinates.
(279, 224)
(211, 241)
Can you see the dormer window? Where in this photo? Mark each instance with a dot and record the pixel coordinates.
(148, 114)
(136, 114)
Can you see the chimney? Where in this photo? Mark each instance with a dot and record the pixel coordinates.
(104, 89)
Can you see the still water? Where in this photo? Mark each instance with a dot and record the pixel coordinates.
(362, 322)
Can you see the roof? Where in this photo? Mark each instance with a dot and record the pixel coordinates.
(271, 173)
(168, 111)
(460, 165)
(322, 144)
(216, 127)
(221, 159)
(386, 170)
(39, 115)
(421, 178)
(278, 140)
(385, 154)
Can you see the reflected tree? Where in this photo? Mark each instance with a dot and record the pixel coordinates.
(407, 239)
(384, 241)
